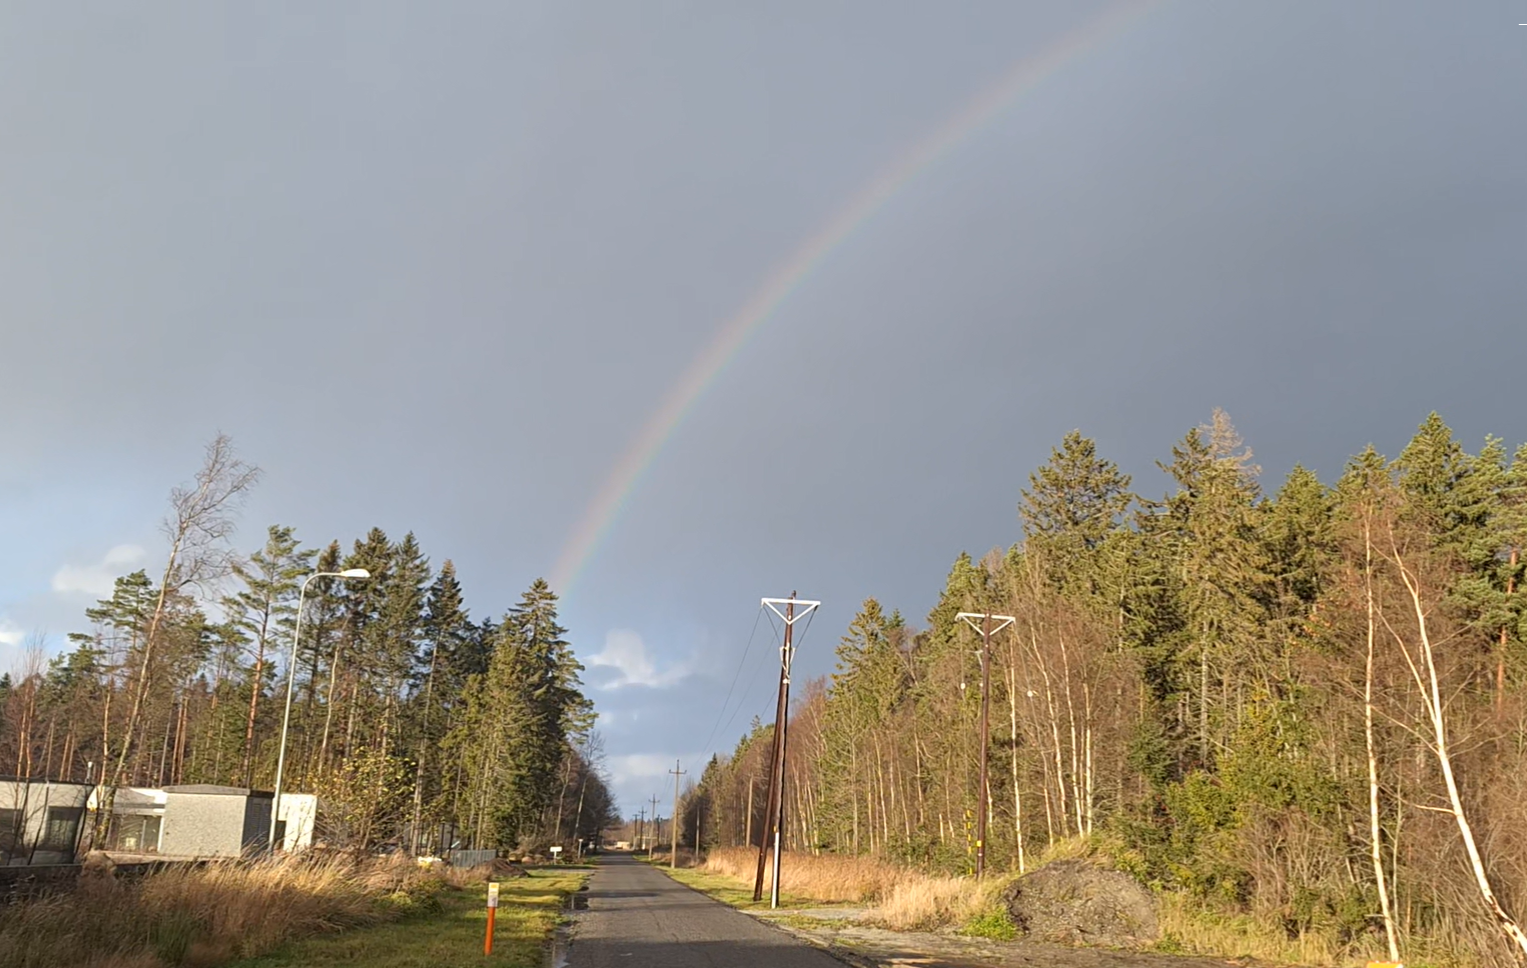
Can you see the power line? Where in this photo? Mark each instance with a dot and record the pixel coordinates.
(746, 692)
(729, 689)
(752, 680)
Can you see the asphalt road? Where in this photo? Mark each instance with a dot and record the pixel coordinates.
(638, 918)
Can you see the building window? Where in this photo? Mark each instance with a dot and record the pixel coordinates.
(11, 834)
(62, 829)
(137, 834)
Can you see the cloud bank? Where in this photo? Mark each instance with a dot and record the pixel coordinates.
(625, 652)
(98, 579)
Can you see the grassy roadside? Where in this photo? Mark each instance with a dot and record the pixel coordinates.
(451, 936)
(884, 895)
(727, 890)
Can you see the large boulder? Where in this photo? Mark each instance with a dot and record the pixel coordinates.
(1074, 902)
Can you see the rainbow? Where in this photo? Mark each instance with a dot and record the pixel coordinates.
(730, 339)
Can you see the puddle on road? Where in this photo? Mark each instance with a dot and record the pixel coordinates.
(557, 956)
(562, 938)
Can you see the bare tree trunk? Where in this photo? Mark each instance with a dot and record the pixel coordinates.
(1426, 680)
(1087, 772)
(1500, 656)
(1012, 713)
(429, 694)
(328, 712)
(256, 684)
(199, 526)
(1060, 769)
(1374, 830)
(1076, 772)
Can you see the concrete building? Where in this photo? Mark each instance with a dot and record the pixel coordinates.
(201, 820)
(296, 817)
(40, 821)
(137, 818)
(198, 821)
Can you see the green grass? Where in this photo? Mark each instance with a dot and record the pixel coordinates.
(994, 925)
(451, 936)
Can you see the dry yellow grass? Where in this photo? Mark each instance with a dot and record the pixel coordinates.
(900, 898)
(823, 877)
(1190, 926)
(686, 857)
(204, 916)
(922, 903)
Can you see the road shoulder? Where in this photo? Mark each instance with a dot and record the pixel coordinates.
(838, 930)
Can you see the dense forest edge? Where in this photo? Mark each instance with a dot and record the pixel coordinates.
(1301, 711)
(419, 728)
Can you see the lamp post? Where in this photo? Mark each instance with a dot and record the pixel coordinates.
(291, 677)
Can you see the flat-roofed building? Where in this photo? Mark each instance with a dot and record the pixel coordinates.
(202, 820)
(40, 821)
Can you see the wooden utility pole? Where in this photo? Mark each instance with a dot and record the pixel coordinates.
(641, 830)
(673, 859)
(986, 631)
(774, 811)
(657, 828)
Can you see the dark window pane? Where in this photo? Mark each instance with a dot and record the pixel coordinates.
(62, 828)
(10, 831)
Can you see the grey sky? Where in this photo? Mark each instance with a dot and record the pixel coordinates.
(433, 265)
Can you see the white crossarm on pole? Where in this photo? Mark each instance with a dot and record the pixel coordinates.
(972, 617)
(804, 608)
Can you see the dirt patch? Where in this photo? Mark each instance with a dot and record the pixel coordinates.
(1076, 903)
(500, 869)
(863, 946)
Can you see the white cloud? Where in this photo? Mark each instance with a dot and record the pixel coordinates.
(625, 652)
(100, 578)
(637, 766)
(11, 652)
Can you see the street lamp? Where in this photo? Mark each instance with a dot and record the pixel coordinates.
(291, 677)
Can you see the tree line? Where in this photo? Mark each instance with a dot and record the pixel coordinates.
(1306, 706)
(416, 725)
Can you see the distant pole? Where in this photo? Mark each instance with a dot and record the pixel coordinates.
(641, 830)
(657, 829)
(986, 630)
(673, 859)
(774, 812)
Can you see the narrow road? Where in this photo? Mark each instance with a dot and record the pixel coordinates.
(638, 918)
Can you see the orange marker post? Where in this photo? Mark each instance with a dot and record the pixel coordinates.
(487, 945)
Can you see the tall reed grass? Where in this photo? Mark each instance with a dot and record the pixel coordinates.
(897, 896)
(821, 877)
(200, 917)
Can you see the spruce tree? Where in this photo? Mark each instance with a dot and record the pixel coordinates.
(1073, 506)
(444, 628)
(263, 610)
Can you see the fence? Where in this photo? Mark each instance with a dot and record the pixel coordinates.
(467, 858)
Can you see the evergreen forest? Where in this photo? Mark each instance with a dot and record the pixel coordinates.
(419, 727)
(1306, 706)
